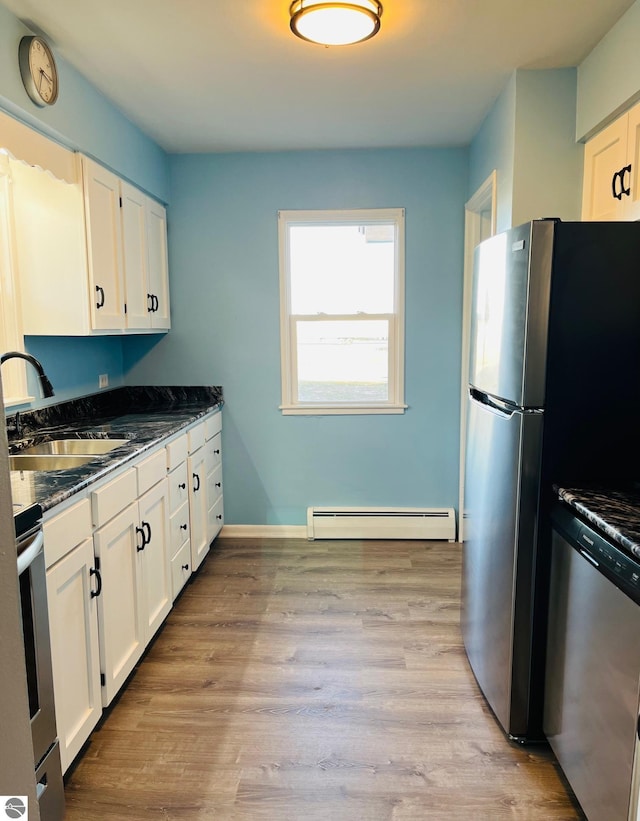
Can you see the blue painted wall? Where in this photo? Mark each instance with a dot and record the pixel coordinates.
(609, 78)
(529, 138)
(547, 168)
(225, 327)
(494, 148)
(83, 119)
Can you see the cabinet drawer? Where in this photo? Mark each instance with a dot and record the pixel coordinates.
(177, 452)
(213, 426)
(113, 497)
(213, 452)
(66, 530)
(151, 470)
(180, 568)
(214, 485)
(215, 519)
(178, 488)
(179, 528)
(196, 437)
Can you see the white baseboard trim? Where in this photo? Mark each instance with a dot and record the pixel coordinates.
(264, 532)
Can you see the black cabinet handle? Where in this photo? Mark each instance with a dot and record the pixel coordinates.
(100, 302)
(154, 303)
(183, 527)
(618, 188)
(141, 547)
(196, 488)
(182, 485)
(185, 566)
(149, 303)
(95, 572)
(147, 527)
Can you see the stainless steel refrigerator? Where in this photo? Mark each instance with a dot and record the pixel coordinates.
(553, 397)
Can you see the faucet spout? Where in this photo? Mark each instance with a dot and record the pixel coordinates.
(47, 387)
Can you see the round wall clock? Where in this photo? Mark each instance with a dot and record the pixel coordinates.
(38, 70)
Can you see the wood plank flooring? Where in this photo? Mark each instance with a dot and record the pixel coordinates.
(312, 681)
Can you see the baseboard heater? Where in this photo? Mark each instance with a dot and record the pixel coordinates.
(381, 523)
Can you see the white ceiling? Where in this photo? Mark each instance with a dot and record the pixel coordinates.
(228, 75)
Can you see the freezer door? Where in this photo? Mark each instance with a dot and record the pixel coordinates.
(501, 502)
(510, 311)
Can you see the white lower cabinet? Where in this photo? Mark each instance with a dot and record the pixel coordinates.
(72, 584)
(154, 567)
(198, 508)
(119, 604)
(116, 560)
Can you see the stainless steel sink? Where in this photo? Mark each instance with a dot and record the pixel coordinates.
(47, 462)
(81, 447)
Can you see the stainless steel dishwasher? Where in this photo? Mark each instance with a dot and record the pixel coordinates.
(593, 665)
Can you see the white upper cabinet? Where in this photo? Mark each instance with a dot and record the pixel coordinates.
(158, 265)
(104, 246)
(611, 189)
(91, 255)
(134, 244)
(144, 231)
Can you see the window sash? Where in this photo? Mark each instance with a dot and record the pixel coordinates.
(391, 372)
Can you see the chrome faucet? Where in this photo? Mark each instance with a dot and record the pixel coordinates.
(47, 387)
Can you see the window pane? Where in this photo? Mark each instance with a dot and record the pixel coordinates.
(343, 361)
(342, 269)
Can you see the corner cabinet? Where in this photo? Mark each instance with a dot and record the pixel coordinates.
(91, 256)
(611, 187)
(116, 559)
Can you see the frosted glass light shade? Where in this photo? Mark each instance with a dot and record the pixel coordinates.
(335, 23)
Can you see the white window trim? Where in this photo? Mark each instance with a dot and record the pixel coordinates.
(368, 216)
(14, 373)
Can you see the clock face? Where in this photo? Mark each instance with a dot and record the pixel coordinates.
(38, 70)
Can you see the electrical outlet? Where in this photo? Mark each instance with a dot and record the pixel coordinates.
(103, 380)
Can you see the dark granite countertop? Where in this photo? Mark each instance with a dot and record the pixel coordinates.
(143, 415)
(613, 511)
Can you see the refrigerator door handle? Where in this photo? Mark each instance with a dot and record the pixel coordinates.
(497, 405)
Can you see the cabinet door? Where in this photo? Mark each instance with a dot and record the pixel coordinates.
(119, 614)
(198, 508)
(73, 625)
(604, 157)
(158, 264)
(104, 246)
(632, 202)
(134, 252)
(154, 558)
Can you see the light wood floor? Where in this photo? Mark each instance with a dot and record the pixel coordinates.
(312, 681)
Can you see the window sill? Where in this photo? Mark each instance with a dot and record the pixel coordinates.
(340, 410)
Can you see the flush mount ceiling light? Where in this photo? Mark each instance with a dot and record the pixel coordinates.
(335, 24)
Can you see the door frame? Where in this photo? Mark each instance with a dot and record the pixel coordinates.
(480, 222)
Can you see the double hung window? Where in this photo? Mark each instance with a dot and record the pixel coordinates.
(342, 311)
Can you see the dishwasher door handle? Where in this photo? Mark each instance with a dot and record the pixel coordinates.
(26, 558)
